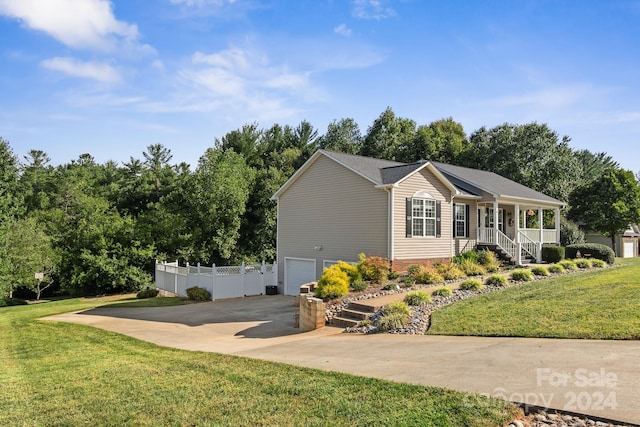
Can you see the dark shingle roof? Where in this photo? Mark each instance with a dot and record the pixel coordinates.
(468, 181)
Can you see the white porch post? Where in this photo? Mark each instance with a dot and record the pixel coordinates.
(518, 244)
(540, 234)
(557, 218)
(495, 222)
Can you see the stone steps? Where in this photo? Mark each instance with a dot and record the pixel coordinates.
(354, 314)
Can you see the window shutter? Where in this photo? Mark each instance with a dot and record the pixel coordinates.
(438, 219)
(409, 223)
(453, 227)
(468, 221)
(504, 221)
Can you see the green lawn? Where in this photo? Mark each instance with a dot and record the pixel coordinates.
(56, 374)
(601, 304)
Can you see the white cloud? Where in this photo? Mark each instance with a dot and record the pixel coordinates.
(89, 70)
(372, 9)
(78, 24)
(342, 30)
(200, 3)
(554, 97)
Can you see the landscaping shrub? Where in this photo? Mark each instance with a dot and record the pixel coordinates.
(416, 298)
(407, 281)
(552, 253)
(593, 250)
(8, 302)
(521, 275)
(374, 268)
(471, 285)
(427, 276)
(413, 269)
(198, 294)
(466, 256)
(570, 233)
(556, 269)
(397, 307)
(391, 287)
(583, 263)
(489, 261)
(598, 263)
(393, 275)
(389, 322)
(147, 293)
(358, 285)
(352, 271)
(451, 271)
(442, 292)
(568, 265)
(333, 283)
(539, 270)
(472, 268)
(496, 280)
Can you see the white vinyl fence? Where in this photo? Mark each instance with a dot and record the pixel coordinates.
(222, 282)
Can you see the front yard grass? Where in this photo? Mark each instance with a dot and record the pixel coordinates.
(64, 374)
(601, 304)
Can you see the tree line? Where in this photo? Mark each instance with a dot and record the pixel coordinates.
(97, 228)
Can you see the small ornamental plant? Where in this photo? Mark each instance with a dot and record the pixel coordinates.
(521, 275)
(333, 283)
(496, 280)
(583, 263)
(471, 285)
(417, 298)
(539, 270)
(451, 271)
(374, 268)
(598, 263)
(568, 265)
(472, 268)
(442, 292)
(556, 269)
(427, 276)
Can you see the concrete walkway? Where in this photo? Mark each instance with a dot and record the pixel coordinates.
(599, 378)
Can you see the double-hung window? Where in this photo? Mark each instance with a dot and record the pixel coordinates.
(461, 213)
(423, 218)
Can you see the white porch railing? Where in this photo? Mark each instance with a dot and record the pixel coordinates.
(548, 234)
(506, 244)
(486, 235)
(528, 245)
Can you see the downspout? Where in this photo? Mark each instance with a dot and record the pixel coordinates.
(453, 217)
(390, 239)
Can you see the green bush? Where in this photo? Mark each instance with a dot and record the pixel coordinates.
(556, 269)
(198, 294)
(358, 285)
(397, 307)
(539, 270)
(147, 293)
(351, 270)
(552, 253)
(568, 265)
(427, 276)
(521, 275)
(471, 285)
(393, 275)
(496, 280)
(390, 287)
(408, 281)
(416, 298)
(392, 321)
(451, 271)
(583, 263)
(442, 292)
(374, 268)
(592, 250)
(8, 302)
(472, 268)
(413, 269)
(570, 233)
(489, 261)
(598, 263)
(334, 283)
(466, 256)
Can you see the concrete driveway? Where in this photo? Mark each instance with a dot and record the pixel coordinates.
(599, 378)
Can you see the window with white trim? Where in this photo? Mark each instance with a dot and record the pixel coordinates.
(460, 215)
(423, 218)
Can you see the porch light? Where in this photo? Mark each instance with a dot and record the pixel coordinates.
(530, 212)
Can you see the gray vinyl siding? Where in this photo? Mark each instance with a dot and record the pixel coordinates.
(333, 207)
(422, 247)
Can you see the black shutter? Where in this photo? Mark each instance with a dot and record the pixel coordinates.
(438, 219)
(468, 221)
(504, 221)
(454, 220)
(409, 223)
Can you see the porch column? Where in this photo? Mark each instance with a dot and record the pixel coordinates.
(518, 244)
(495, 222)
(540, 235)
(557, 218)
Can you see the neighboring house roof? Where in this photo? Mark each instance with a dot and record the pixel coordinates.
(465, 181)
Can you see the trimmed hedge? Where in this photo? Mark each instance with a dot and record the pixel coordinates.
(552, 254)
(7, 302)
(593, 250)
(147, 293)
(333, 283)
(198, 294)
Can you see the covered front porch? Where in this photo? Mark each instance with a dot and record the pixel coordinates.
(518, 229)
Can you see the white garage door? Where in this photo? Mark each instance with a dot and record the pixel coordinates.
(298, 272)
(629, 249)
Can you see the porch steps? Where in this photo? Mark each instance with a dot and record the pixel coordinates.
(353, 315)
(503, 255)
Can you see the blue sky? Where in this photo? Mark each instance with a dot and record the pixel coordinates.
(111, 77)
